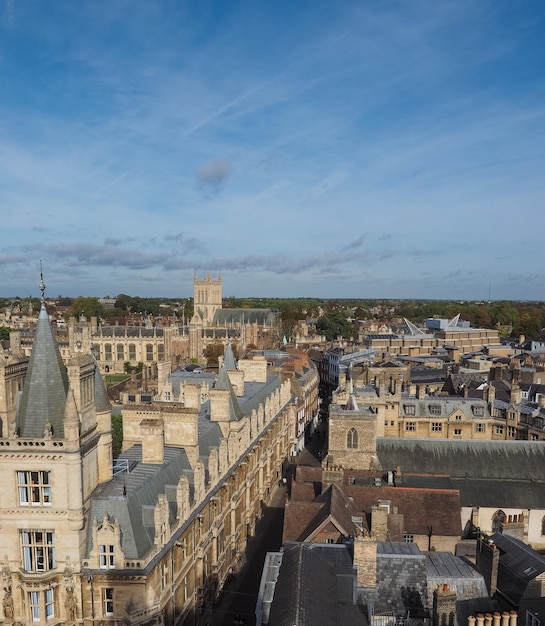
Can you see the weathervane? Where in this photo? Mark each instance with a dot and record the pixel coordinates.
(42, 284)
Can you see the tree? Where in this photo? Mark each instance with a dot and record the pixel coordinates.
(89, 307)
(4, 332)
(117, 434)
(334, 324)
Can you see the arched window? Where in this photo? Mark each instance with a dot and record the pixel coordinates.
(497, 521)
(352, 438)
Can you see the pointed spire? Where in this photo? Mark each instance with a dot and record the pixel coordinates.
(223, 382)
(43, 400)
(102, 401)
(229, 358)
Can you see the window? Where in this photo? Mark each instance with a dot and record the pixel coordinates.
(167, 396)
(511, 431)
(35, 605)
(38, 550)
(149, 352)
(457, 417)
(132, 352)
(164, 576)
(106, 557)
(533, 437)
(410, 426)
(457, 432)
(480, 428)
(497, 520)
(34, 488)
(478, 411)
(120, 352)
(49, 603)
(352, 439)
(409, 409)
(499, 430)
(108, 600)
(435, 409)
(408, 538)
(436, 427)
(160, 352)
(108, 352)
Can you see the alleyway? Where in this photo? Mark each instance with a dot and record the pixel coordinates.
(241, 595)
(239, 599)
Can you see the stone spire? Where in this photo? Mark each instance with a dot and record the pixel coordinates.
(43, 400)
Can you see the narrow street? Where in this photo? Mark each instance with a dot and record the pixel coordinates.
(239, 599)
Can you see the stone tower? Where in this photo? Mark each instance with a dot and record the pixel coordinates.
(207, 297)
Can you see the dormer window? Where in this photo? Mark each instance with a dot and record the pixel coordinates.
(478, 411)
(106, 556)
(435, 409)
(409, 409)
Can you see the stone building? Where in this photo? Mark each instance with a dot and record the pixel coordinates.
(151, 538)
(212, 324)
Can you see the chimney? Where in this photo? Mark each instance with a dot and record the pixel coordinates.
(379, 522)
(219, 405)
(153, 450)
(444, 606)
(365, 560)
(487, 562)
(516, 395)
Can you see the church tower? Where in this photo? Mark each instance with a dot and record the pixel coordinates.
(207, 297)
(57, 453)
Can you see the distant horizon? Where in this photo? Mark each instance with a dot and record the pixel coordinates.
(350, 149)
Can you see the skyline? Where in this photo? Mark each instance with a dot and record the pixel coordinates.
(300, 149)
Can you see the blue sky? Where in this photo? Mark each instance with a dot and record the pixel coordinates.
(301, 148)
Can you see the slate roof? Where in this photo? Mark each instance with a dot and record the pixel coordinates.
(500, 460)
(131, 497)
(314, 588)
(223, 382)
(487, 473)
(448, 405)
(46, 385)
(261, 317)
(518, 566)
(102, 401)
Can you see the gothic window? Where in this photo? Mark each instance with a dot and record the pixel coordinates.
(160, 352)
(352, 439)
(108, 352)
(149, 352)
(120, 352)
(38, 550)
(132, 352)
(497, 521)
(106, 556)
(34, 488)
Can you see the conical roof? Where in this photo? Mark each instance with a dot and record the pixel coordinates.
(229, 358)
(102, 401)
(43, 399)
(223, 382)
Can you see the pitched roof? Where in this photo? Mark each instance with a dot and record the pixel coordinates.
(518, 566)
(314, 588)
(46, 386)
